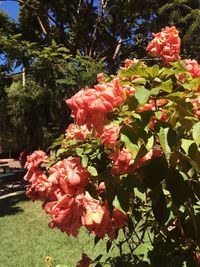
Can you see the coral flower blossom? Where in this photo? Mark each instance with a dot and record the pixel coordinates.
(66, 214)
(84, 262)
(38, 188)
(153, 153)
(196, 104)
(130, 62)
(76, 132)
(166, 44)
(90, 106)
(101, 188)
(110, 135)
(69, 176)
(101, 77)
(192, 67)
(122, 161)
(35, 159)
(98, 220)
(33, 162)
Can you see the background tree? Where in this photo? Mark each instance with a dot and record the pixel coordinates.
(60, 42)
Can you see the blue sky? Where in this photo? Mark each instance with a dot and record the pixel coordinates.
(11, 8)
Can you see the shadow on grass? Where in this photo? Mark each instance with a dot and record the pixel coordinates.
(8, 205)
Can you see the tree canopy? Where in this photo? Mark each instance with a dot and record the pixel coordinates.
(62, 45)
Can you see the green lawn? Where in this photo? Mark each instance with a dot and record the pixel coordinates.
(26, 239)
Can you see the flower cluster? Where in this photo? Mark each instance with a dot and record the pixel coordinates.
(91, 105)
(63, 191)
(166, 44)
(192, 67)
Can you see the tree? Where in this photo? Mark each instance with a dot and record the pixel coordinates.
(109, 30)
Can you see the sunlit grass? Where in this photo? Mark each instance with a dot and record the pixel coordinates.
(26, 239)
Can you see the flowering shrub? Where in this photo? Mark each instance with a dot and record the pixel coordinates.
(130, 163)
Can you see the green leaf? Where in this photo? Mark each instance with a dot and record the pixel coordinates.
(142, 95)
(153, 71)
(129, 145)
(79, 151)
(159, 205)
(108, 245)
(150, 143)
(155, 91)
(175, 97)
(177, 186)
(192, 85)
(127, 73)
(167, 86)
(140, 195)
(163, 140)
(134, 70)
(84, 160)
(123, 196)
(116, 204)
(60, 151)
(143, 250)
(139, 81)
(153, 172)
(92, 170)
(96, 241)
(58, 141)
(196, 133)
(185, 144)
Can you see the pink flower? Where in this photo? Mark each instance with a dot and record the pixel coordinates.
(151, 105)
(84, 262)
(129, 62)
(69, 176)
(42, 188)
(166, 44)
(98, 220)
(76, 132)
(90, 106)
(101, 188)
(196, 103)
(128, 90)
(33, 162)
(66, 214)
(100, 77)
(35, 159)
(162, 118)
(153, 153)
(119, 219)
(95, 217)
(122, 161)
(110, 135)
(38, 188)
(192, 67)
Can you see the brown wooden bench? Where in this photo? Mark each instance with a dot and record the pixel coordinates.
(9, 180)
(3, 162)
(4, 167)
